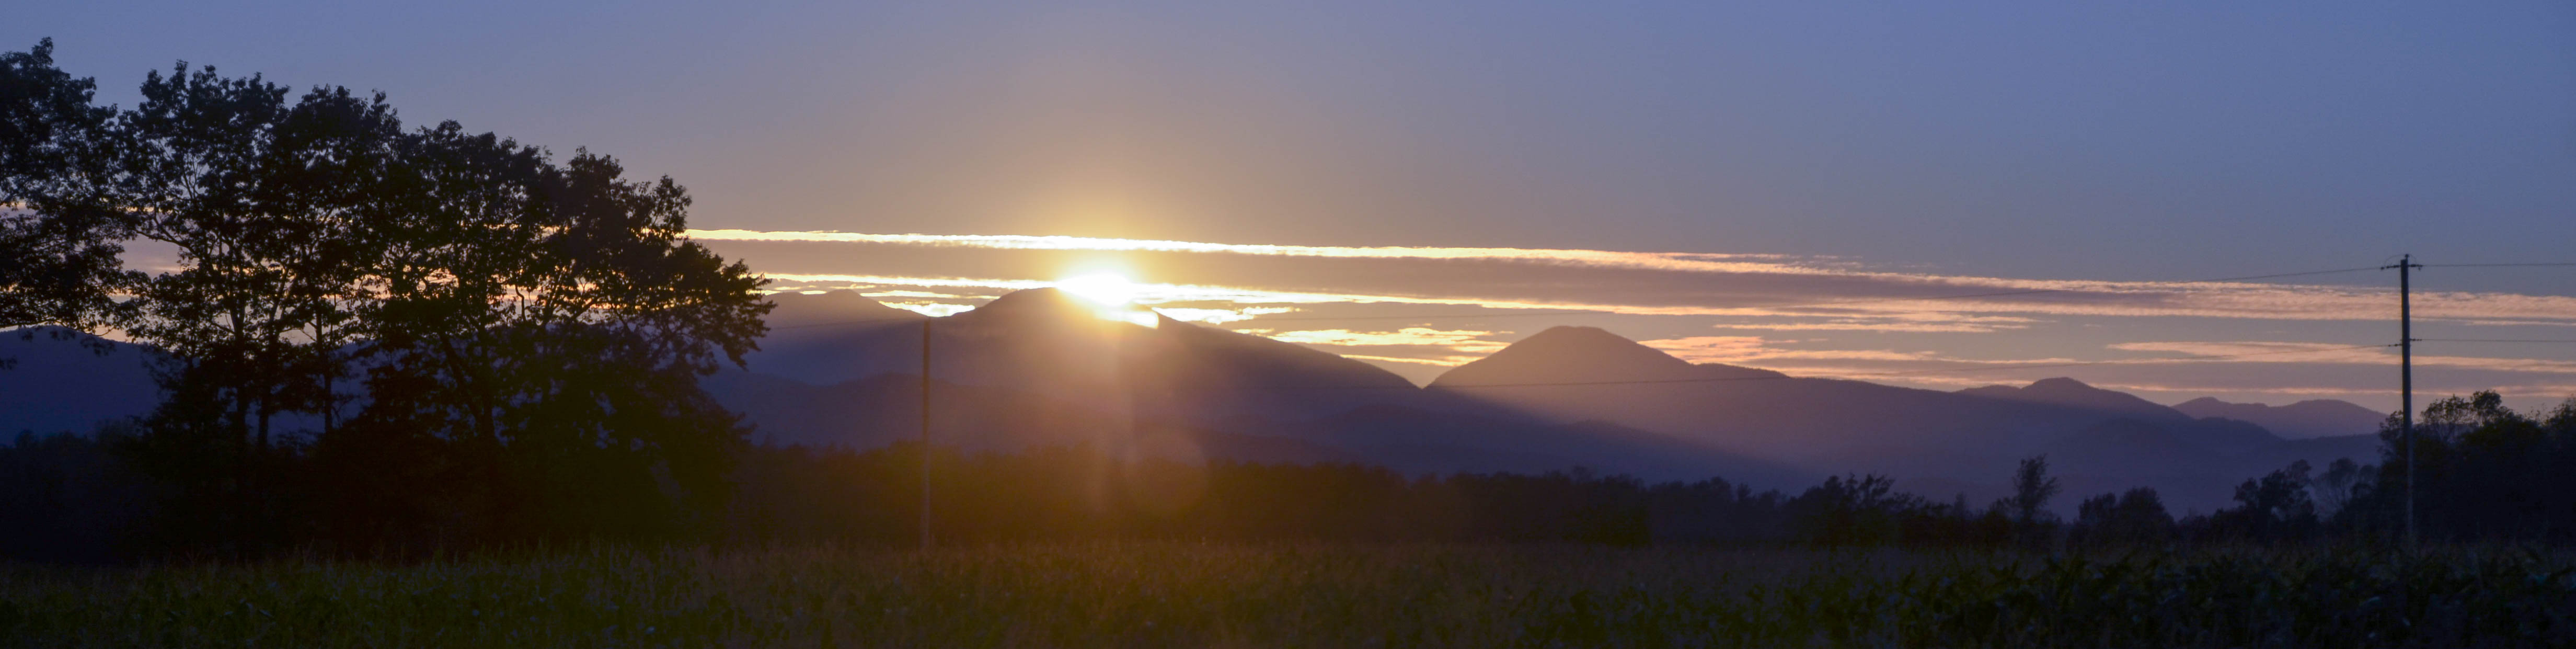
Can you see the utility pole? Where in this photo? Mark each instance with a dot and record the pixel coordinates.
(2406, 383)
(925, 433)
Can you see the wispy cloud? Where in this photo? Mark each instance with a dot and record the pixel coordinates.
(933, 309)
(2325, 353)
(1417, 344)
(1767, 353)
(1219, 316)
(1755, 291)
(1405, 336)
(1711, 349)
(1685, 261)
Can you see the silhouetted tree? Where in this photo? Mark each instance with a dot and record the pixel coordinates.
(549, 324)
(58, 216)
(2336, 486)
(2032, 523)
(1851, 510)
(2135, 517)
(262, 200)
(2275, 507)
(531, 334)
(2482, 471)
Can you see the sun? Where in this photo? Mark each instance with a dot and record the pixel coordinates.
(1112, 296)
(1105, 289)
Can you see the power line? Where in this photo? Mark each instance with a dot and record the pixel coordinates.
(2523, 265)
(2498, 340)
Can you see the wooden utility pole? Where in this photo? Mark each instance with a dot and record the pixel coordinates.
(2406, 383)
(925, 433)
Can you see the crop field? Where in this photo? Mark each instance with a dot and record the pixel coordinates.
(1132, 594)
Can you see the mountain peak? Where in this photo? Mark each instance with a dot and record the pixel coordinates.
(2058, 384)
(1569, 354)
(2070, 392)
(1037, 303)
(1593, 346)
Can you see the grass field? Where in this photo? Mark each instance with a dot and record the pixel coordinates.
(1183, 594)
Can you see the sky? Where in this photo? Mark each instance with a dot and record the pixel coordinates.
(1417, 184)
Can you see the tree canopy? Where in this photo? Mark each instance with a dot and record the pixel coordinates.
(354, 304)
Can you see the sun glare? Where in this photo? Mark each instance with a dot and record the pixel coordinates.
(1106, 289)
(1112, 295)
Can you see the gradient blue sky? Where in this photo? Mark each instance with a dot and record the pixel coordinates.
(2038, 141)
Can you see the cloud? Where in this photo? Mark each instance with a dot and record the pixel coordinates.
(1444, 361)
(1746, 291)
(1915, 322)
(1219, 316)
(1404, 336)
(932, 309)
(1406, 345)
(2288, 352)
(1710, 349)
(925, 294)
(1765, 353)
(1685, 261)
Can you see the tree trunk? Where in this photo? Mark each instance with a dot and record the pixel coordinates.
(234, 525)
(330, 399)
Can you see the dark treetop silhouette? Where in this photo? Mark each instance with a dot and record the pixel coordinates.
(478, 330)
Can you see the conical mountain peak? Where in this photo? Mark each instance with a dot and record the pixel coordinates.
(1562, 354)
(1037, 304)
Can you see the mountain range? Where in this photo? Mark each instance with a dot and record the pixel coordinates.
(1040, 367)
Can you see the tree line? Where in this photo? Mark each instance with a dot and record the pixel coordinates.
(469, 338)
(2486, 473)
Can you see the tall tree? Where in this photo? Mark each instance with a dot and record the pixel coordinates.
(2276, 507)
(2032, 489)
(262, 201)
(550, 324)
(333, 161)
(541, 325)
(59, 226)
(2028, 506)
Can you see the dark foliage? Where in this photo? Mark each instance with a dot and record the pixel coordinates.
(2482, 472)
(374, 488)
(422, 339)
(2134, 518)
(58, 218)
(371, 489)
